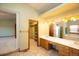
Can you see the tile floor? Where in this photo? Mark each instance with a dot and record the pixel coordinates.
(35, 51)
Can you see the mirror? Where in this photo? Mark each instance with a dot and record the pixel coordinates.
(72, 27)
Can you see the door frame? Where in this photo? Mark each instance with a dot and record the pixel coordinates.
(29, 33)
(17, 24)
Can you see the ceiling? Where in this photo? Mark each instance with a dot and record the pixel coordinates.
(43, 7)
(60, 10)
(39, 7)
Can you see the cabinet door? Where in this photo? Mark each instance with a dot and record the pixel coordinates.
(44, 43)
(63, 50)
(74, 52)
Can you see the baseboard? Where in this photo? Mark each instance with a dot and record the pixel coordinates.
(17, 50)
(24, 50)
(5, 54)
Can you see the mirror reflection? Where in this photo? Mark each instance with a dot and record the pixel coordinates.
(71, 29)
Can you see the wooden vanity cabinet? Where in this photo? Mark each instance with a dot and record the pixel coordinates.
(63, 50)
(44, 43)
(74, 52)
(67, 51)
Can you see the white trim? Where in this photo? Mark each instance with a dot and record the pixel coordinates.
(17, 30)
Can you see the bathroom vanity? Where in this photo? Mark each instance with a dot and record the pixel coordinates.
(65, 47)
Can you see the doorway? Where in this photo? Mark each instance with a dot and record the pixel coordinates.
(7, 32)
(33, 31)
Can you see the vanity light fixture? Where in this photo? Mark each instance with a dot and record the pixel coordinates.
(65, 20)
(52, 22)
(73, 18)
(49, 22)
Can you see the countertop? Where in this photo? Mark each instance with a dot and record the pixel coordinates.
(66, 42)
(73, 35)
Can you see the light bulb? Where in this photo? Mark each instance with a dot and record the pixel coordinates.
(65, 20)
(73, 19)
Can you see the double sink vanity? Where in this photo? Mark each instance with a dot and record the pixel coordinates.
(64, 47)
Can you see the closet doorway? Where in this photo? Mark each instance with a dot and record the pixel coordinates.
(33, 31)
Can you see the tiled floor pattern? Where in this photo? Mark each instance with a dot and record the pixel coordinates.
(35, 51)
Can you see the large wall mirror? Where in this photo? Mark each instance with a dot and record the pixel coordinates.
(71, 29)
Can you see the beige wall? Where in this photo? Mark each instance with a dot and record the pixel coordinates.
(24, 13)
(43, 28)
